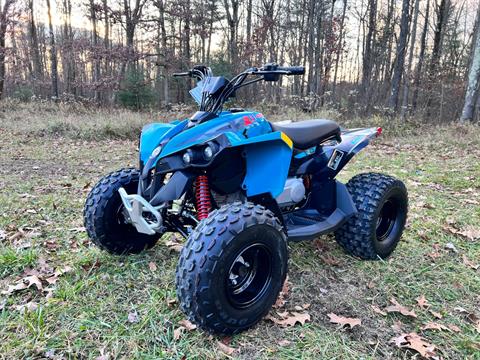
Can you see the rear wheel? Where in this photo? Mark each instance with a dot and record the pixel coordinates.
(105, 220)
(232, 268)
(382, 205)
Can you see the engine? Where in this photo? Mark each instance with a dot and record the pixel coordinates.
(293, 192)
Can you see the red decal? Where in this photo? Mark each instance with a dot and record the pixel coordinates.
(259, 115)
(247, 121)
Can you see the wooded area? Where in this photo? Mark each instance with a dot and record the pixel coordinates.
(397, 57)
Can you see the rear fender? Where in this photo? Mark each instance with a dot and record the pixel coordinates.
(352, 142)
(267, 160)
(329, 160)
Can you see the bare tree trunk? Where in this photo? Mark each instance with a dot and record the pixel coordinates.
(473, 82)
(421, 59)
(33, 43)
(3, 31)
(369, 50)
(53, 54)
(339, 48)
(400, 59)
(232, 20)
(408, 75)
(96, 65)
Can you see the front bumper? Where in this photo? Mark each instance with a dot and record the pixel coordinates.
(137, 207)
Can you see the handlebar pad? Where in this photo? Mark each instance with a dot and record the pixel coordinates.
(186, 73)
(293, 70)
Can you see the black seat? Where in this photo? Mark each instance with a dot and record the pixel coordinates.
(308, 133)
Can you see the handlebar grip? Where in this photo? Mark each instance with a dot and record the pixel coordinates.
(186, 73)
(293, 70)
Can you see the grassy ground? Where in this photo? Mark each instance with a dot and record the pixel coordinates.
(123, 307)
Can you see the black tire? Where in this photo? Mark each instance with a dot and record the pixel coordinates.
(232, 268)
(382, 204)
(104, 220)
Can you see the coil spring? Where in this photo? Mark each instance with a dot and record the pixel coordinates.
(202, 195)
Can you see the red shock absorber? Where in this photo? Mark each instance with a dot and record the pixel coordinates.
(202, 194)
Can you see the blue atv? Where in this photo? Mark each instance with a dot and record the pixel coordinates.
(238, 187)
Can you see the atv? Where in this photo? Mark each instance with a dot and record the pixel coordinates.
(237, 188)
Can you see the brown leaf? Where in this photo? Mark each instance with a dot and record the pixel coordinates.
(330, 260)
(415, 342)
(423, 302)
(225, 348)
(336, 319)
(28, 307)
(187, 325)
(152, 266)
(378, 310)
(469, 232)
(436, 314)
(173, 244)
(454, 328)
(24, 283)
(396, 307)
(434, 326)
(469, 263)
(290, 320)
(475, 320)
(283, 294)
(177, 333)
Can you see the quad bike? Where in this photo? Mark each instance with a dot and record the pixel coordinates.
(237, 187)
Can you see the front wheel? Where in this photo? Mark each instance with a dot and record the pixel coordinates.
(232, 268)
(105, 220)
(382, 205)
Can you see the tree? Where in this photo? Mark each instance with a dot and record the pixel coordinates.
(400, 60)
(53, 54)
(4, 22)
(473, 80)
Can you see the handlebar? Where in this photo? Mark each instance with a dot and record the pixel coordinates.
(186, 73)
(292, 70)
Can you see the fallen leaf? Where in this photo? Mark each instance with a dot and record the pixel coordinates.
(173, 244)
(436, 314)
(423, 302)
(434, 326)
(28, 307)
(469, 263)
(475, 320)
(290, 320)
(469, 232)
(225, 348)
(187, 325)
(152, 266)
(284, 342)
(24, 283)
(133, 317)
(378, 310)
(396, 307)
(329, 260)
(177, 333)
(341, 320)
(415, 342)
(454, 328)
(283, 294)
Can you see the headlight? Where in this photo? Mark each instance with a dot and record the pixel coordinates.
(208, 152)
(187, 157)
(156, 151)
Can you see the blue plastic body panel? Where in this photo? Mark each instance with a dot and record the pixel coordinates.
(266, 153)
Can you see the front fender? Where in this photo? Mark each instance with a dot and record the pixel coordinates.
(267, 160)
